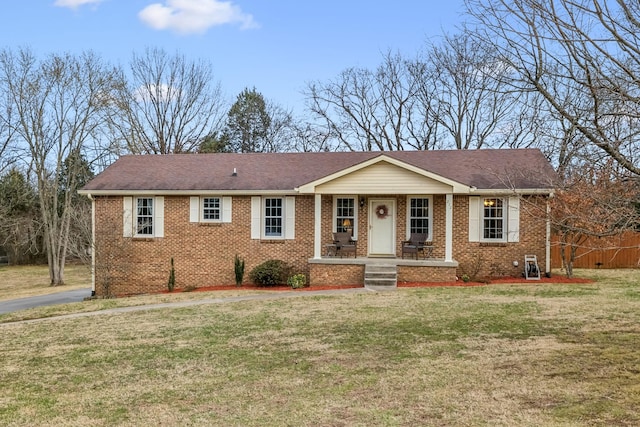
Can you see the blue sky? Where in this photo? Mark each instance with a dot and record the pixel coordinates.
(276, 46)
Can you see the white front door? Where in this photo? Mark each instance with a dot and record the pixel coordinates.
(382, 227)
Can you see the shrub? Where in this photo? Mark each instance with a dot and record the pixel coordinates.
(239, 270)
(171, 284)
(297, 281)
(270, 273)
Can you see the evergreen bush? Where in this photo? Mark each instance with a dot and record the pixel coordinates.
(270, 273)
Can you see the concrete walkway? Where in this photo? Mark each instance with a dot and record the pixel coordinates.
(181, 304)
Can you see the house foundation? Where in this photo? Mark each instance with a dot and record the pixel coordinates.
(350, 271)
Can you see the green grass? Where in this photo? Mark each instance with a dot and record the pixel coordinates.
(505, 355)
(31, 280)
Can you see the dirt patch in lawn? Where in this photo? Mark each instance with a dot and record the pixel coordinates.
(496, 281)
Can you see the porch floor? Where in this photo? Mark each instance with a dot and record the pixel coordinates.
(429, 262)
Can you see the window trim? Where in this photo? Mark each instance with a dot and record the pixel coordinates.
(202, 209)
(504, 218)
(129, 216)
(429, 217)
(263, 217)
(334, 213)
(136, 215)
(196, 209)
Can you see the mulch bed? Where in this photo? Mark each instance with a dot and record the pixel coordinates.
(260, 288)
(503, 280)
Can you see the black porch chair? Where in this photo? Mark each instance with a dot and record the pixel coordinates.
(345, 245)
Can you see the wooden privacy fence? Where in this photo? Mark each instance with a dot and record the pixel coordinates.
(616, 252)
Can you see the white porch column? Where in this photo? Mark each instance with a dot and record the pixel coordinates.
(317, 228)
(448, 243)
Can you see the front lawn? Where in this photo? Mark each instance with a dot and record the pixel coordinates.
(524, 354)
(21, 281)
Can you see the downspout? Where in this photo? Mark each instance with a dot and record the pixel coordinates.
(93, 245)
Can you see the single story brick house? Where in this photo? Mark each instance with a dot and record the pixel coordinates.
(482, 211)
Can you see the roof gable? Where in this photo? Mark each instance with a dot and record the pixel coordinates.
(383, 174)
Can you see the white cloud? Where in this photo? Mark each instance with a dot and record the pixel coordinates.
(156, 94)
(194, 16)
(74, 4)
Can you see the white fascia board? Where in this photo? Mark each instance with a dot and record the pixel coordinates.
(187, 192)
(310, 188)
(512, 191)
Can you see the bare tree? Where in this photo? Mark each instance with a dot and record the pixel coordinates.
(588, 48)
(309, 137)
(113, 263)
(56, 104)
(7, 150)
(594, 201)
(367, 110)
(451, 96)
(465, 89)
(20, 231)
(170, 105)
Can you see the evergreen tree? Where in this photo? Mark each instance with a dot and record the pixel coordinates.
(248, 124)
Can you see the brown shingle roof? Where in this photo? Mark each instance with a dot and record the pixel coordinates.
(483, 169)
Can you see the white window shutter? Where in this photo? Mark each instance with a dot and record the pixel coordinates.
(474, 219)
(127, 216)
(256, 215)
(158, 217)
(226, 209)
(513, 233)
(194, 209)
(290, 222)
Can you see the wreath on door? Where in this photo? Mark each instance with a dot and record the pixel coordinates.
(382, 211)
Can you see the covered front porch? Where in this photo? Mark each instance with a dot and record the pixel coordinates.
(380, 203)
(374, 201)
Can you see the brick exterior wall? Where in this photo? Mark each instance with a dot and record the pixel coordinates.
(408, 273)
(204, 253)
(330, 274)
(485, 260)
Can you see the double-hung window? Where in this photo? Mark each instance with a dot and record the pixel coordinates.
(420, 215)
(211, 209)
(144, 216)
(494, 219)
(273, 217)
(345, 214)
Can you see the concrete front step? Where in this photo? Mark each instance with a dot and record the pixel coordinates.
(381, 276)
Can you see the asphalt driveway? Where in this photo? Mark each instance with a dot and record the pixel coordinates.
(75, 295)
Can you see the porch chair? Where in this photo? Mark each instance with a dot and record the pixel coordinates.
(416, 244)
(344, 244)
